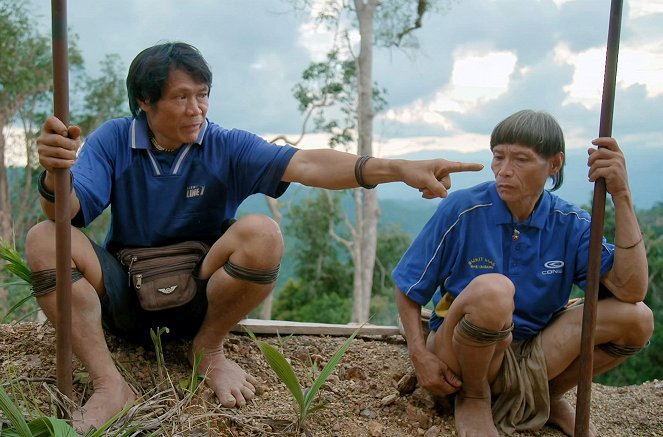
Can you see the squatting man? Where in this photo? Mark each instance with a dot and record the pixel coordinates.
(499, 260)
(143, 167)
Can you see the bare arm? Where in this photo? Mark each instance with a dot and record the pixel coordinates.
(331, 169)
(432, 373)
(57, 148)
(628, 278)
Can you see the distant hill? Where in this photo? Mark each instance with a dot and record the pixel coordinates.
(643, 164)
(403, 205)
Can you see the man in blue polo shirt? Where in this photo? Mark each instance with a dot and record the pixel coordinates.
(498, 261)
(170, 175)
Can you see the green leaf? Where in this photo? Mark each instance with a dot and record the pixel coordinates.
(328, 369)
(14, 415)
(283, 370)
(15, 263)
(17, 305)
(51, 426)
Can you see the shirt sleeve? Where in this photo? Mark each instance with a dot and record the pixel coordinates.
(258, 165)
(93, 172)
(421, 269)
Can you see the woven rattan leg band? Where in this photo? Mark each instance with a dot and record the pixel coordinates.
(482, 335)
(617, 350)
(256, 276)
(43, 281)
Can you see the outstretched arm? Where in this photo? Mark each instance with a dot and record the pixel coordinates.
(57, 146)
(628, 278)
(331, 169)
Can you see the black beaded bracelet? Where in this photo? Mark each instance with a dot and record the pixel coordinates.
(359, 172)
(43, 191)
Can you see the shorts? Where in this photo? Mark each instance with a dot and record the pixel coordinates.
(521, 400)
(123, 316)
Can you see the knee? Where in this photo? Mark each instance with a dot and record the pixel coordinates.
(636, 321)
(492, 295)
(258, 232)
(643, 322)
(40, 243)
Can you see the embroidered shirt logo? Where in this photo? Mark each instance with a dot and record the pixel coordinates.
(481, 263)
(553, 267)
(195, 191)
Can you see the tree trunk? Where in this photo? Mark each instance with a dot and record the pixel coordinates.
(368, 218)
(5, 204)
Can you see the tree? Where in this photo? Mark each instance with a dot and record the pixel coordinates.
(25, 66)
(324, 85)
(105, 96)
(386, 23)
(25, 88)
(321, 291)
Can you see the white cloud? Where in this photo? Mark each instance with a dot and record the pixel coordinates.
(317, 38)
(640, 8)
(587, 84)
(14, 146)
(636, 65)
(476, 78)
(642, 64)
(462, 142)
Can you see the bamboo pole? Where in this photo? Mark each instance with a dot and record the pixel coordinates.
(62, 203)
(596, 231)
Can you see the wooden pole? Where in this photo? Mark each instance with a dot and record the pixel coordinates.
(596, 231)
(62, 203)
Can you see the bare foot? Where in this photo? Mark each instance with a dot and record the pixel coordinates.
(474, 417)
(563, 416)
(232, 385)
(106, 401)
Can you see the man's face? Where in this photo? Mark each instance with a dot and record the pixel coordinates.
(521, 173)
(178, 116)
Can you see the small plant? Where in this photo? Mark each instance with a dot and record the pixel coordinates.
(303, 397)
(158, 349)
(17, 266)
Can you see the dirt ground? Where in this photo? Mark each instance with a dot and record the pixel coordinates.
(371, 392)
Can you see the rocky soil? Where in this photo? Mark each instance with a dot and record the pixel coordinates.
(371, 392)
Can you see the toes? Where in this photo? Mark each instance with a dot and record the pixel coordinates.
(251, 379)
(248, 392)
(227, 400)
(239, 398)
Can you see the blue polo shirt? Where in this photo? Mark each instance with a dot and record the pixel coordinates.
(157, 199)
(471, 233)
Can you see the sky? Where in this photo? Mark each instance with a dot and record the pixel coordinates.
(478, 62)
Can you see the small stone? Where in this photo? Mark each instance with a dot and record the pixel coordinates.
(375, 429)
(389, 399)
(407, 383)
(368, 413)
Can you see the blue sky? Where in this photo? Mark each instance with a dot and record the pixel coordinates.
(478, 61)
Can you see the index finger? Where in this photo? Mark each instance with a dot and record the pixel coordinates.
(455, 167)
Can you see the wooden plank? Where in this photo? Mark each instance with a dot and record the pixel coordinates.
(282, 327)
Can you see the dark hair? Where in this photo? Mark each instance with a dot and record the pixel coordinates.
(535, 129)
(149, 71)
